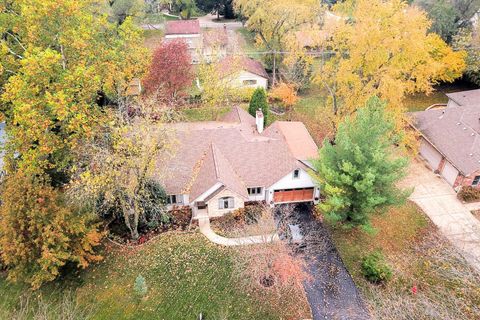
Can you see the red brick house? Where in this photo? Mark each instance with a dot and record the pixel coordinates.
(450, 140)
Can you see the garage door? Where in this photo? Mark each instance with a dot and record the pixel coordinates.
(449, 173)
(430, 154)
(293, 195)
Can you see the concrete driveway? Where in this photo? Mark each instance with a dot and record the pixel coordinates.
(439, 201)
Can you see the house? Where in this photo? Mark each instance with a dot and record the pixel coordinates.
(221, 165)
(450, 139)
(244, 72)
(464, 98)
(188, 31)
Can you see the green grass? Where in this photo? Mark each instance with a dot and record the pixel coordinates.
(156, 18)
(248, 42)
(185, 275)
(152, 38)
(202, 114)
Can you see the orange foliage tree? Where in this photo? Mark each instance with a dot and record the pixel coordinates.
(286, 93)
(40, 233)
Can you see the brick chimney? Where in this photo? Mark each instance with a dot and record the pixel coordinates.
(259, 120)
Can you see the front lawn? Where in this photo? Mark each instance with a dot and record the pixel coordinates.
(185, 274)
(422, 261)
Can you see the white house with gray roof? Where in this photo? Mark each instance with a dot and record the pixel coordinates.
(221, 165)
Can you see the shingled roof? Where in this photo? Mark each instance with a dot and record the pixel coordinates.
(243, 63)
(465, 98)
(233, 153)
(182, 27)
(454, 132)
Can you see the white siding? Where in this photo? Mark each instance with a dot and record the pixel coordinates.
(430, 154)
(248, 76)
(215, 211)
(288, 182)
(449, 173)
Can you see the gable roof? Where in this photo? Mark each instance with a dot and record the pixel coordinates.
(244, 63)
(455, 132)
(297, 137)
(465, 98)
(239, 115)
(182, 27)
(232, 153)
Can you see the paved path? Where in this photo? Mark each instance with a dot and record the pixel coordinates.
(331, 292)
(439, 201)
(206, 230)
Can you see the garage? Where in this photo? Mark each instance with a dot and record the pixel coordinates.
(430, 154)
(449, 173)
(293, 195)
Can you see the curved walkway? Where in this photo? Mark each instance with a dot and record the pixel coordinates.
(206, 230)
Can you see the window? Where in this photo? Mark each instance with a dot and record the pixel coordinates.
(174, 199)
(476, 181)
(296, 174)
(226, 203)
(254, 191)
(249, 82)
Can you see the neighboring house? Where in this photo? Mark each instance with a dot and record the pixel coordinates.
(188, 31)
(450, 139)
(463, 98)
(221, 165)
(244, 72)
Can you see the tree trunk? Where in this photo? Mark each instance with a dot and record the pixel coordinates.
(128, 213)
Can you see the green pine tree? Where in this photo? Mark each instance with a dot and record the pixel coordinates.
(259, 101)
(358, 173)
(140, 287)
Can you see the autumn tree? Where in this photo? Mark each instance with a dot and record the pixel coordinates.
(468, 39)
(120, 10)
(217, 82)
(443, 15)
(61, 63)
(273, 20)
(60, 59)
(119, 171)
(40, 232)
(285, 93)
(359, 172)
(170, 73)
(385, 50)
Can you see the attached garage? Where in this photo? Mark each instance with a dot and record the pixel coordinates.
(293, 195)
(449, 173)
(430, 154)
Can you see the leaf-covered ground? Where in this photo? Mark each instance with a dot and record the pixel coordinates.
(430, 278)
(185, 275)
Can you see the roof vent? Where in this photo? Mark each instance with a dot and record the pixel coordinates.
(473, 133)
(464, 128)
(470, 154)
(458, 123)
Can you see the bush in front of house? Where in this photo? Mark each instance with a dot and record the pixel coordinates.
(259, 101)
(375, 269)
(469, 194)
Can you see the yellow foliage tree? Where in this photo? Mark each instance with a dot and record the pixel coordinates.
(40, 232)
(274, 20)
(385, 50)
